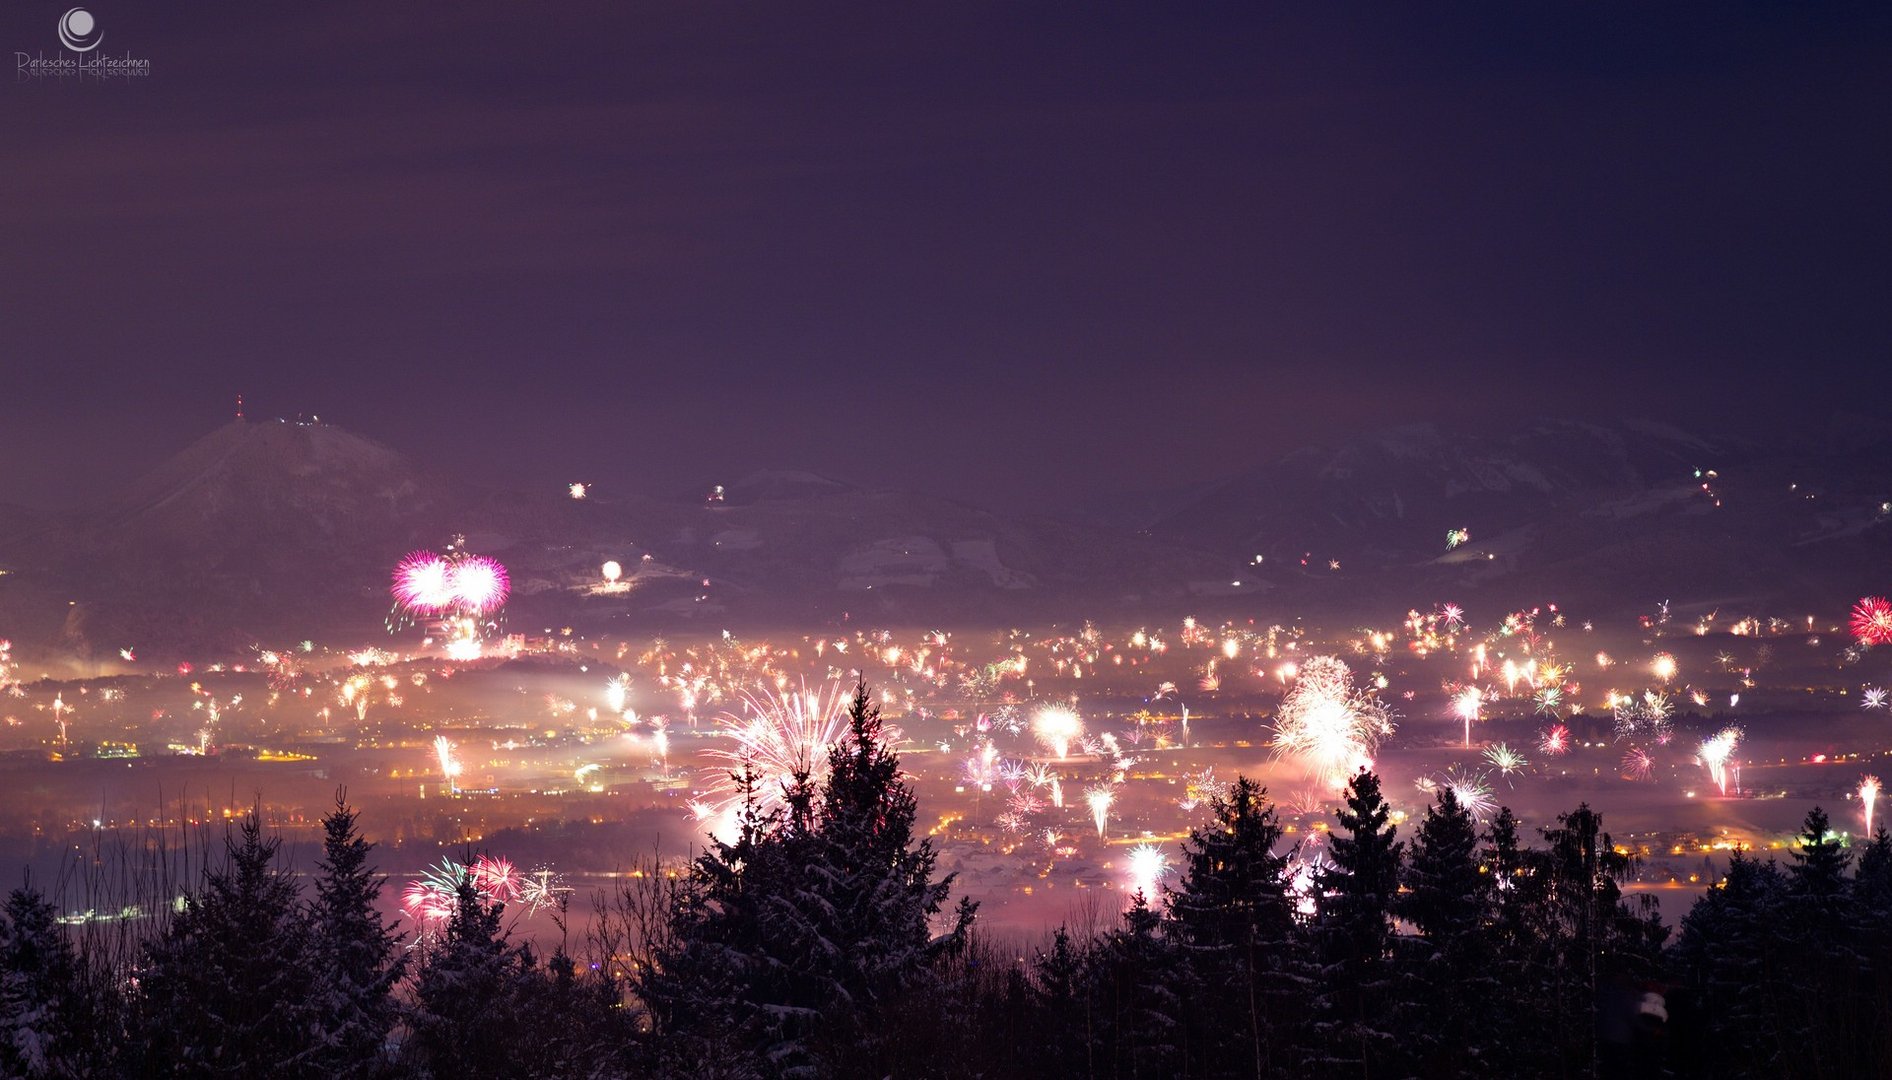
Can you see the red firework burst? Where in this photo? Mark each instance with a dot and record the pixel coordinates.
(1637, 764)
(1872, 621)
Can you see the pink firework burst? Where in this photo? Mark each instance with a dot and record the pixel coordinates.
(1024, 804)
(495, 879)
(1637, 764)
(1555, 740)
(428, 904)
(1872, 620)
(430, 584)
(420, 583)
(480, 585)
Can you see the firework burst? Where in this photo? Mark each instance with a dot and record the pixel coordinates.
(1327, 727)
(1469, 702)
(1716, 753)
(1555, 741)
(430, 584)
(1056, 727)
(1549, 701)
(449, 765)
(1099, 797)
(1147, 865)
(1637, 764)
(1473, 790)
(776, 738)
(1506, 760)
(495, 879)
(1872, 620)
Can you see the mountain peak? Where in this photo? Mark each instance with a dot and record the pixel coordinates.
(250, 465)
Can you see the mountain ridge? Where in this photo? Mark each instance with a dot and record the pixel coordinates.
(265, 529)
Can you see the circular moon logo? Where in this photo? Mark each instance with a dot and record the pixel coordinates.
(79, 31)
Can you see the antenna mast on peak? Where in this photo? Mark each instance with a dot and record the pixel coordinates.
(239, 406)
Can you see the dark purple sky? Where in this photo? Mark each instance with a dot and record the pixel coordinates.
(1001, 252)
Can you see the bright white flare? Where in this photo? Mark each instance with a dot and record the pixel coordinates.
(1663, 667)
(1056, 728)
(1868, 795)
(1099, 797)
(449, 768)
(1147, 864)
(1330, 729)
(1467, 704)
(1715, 752)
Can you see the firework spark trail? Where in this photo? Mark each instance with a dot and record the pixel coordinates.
(449, 768)
(1328, 728)
(1715, 753)
(1467, 704)
(1099, 797)
(1869, 796)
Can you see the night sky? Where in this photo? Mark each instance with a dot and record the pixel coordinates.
(1002, 254)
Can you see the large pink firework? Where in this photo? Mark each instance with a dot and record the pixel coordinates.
(430, 584)
(480, 584)
(431, 899)
(496, 879)
(428, 904)
(420, 583)
(1637, 764)
(1872, 620)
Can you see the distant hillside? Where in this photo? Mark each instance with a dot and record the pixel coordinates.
(1394, 495)
(256, 527)
(274, 531)
(1619, 514)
